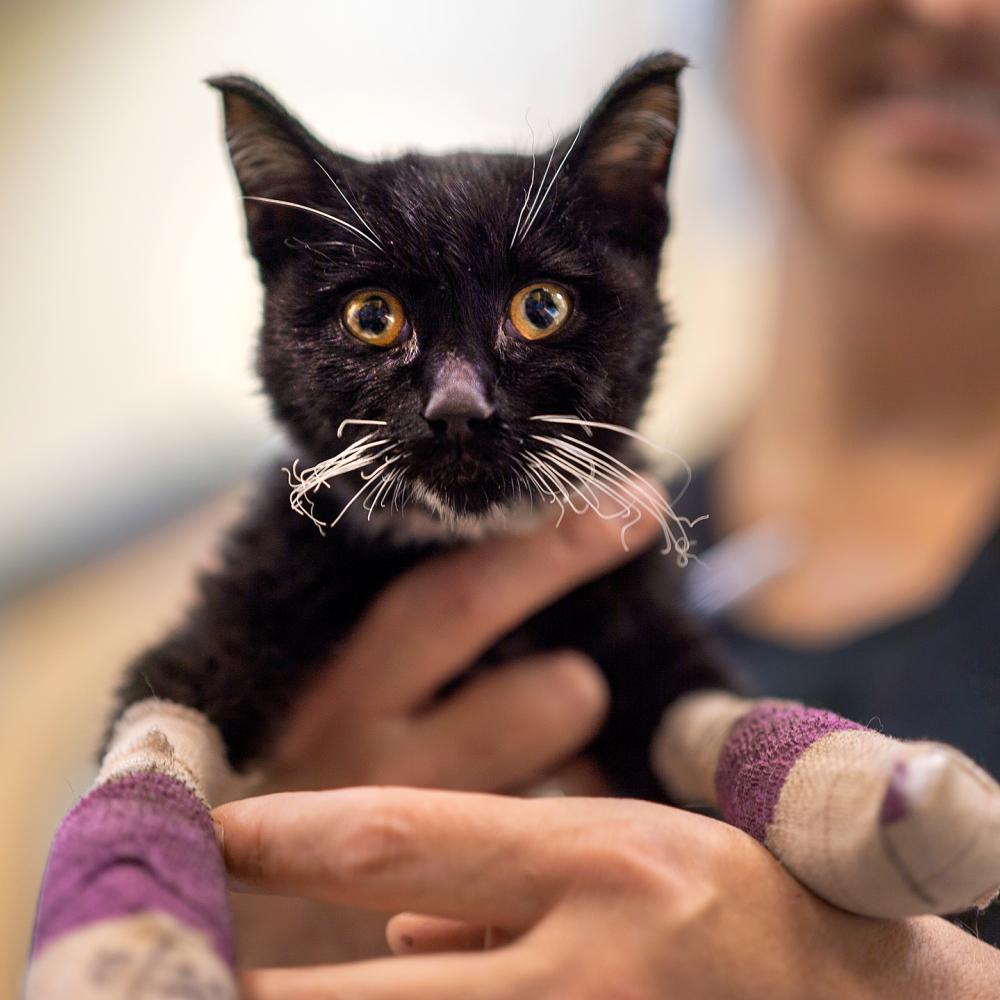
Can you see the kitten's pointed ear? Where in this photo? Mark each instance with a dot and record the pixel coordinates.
(274, 156)
(626, 146)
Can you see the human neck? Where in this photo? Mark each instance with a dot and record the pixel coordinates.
(886, 375)
(876, 438)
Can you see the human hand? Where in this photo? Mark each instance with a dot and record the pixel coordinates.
(592, 898)
(369, 719)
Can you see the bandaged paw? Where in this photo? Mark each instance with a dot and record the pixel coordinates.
(874, 825)
(133, 902)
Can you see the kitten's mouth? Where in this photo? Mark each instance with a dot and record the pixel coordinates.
(567, 464)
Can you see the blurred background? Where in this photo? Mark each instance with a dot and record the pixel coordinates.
(130, 418)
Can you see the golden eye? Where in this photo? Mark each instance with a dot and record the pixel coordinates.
(375, 317)
(540, 309)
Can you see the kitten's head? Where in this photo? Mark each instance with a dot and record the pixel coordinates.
(452, 299)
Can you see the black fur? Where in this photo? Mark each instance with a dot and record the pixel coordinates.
(286, 594)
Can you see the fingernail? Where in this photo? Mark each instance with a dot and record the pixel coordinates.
(220, 835)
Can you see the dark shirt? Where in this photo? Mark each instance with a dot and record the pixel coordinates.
(933, 675)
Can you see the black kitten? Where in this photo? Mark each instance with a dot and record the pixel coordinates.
(420, 315)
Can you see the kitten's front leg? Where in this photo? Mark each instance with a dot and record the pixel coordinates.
(133, 903)
(875, 825)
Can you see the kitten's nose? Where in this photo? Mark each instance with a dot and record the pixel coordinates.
(457, 399)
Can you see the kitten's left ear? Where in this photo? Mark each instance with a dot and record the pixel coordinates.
(275, 157)
(626, 145)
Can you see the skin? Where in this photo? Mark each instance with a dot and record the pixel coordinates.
(591, 898)
(887, 361)
(368, 721)
(371, 719)
(499, 897)
(888, 379)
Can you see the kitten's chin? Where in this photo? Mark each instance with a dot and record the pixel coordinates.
(420, 527)
(429, 520)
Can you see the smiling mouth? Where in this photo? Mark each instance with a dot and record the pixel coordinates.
(942, 116)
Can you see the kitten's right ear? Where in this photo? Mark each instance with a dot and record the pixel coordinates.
(274, 156)
(626, 145)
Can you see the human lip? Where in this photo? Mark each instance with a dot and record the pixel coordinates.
(964, 99)
(945, 116)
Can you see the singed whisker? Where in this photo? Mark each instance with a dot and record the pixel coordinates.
(386, 464)
(350, 503)
(590, 472)
(400, 484)
(608, 465)
(587, 480)
(350, 422)
(566, 488)
(588, 426)
(369, 450)
(593, 454)
(559, 490)
(544, 479)
(529, 484)
(630, 490)
(386, 493)
(372, 501)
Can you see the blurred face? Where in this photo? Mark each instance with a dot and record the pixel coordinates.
(880, 118)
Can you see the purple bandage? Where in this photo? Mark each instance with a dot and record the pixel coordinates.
(758, 755)
(142, 843)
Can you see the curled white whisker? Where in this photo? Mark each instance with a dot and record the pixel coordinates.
(628, 488)
(368, 450)
(589, 426)
(565, 488)
(586, 481)
(400, 485)
(530, 484)
(606, 463)
(372, 500)
(548, 487)
(351, 421)
(568, 463)
(350, 503)
(389, 461)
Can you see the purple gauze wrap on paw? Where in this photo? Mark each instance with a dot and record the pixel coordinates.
(759, 754)
(141, 843)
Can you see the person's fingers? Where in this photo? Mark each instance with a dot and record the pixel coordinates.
(494, 975)
(509, 725)
(482, 858)
(433, 621)
(416, 934)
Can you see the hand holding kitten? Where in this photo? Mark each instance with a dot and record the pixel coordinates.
(593, 898)
(370, 719)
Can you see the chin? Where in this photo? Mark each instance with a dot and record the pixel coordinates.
(914, 206)
(430, 517)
